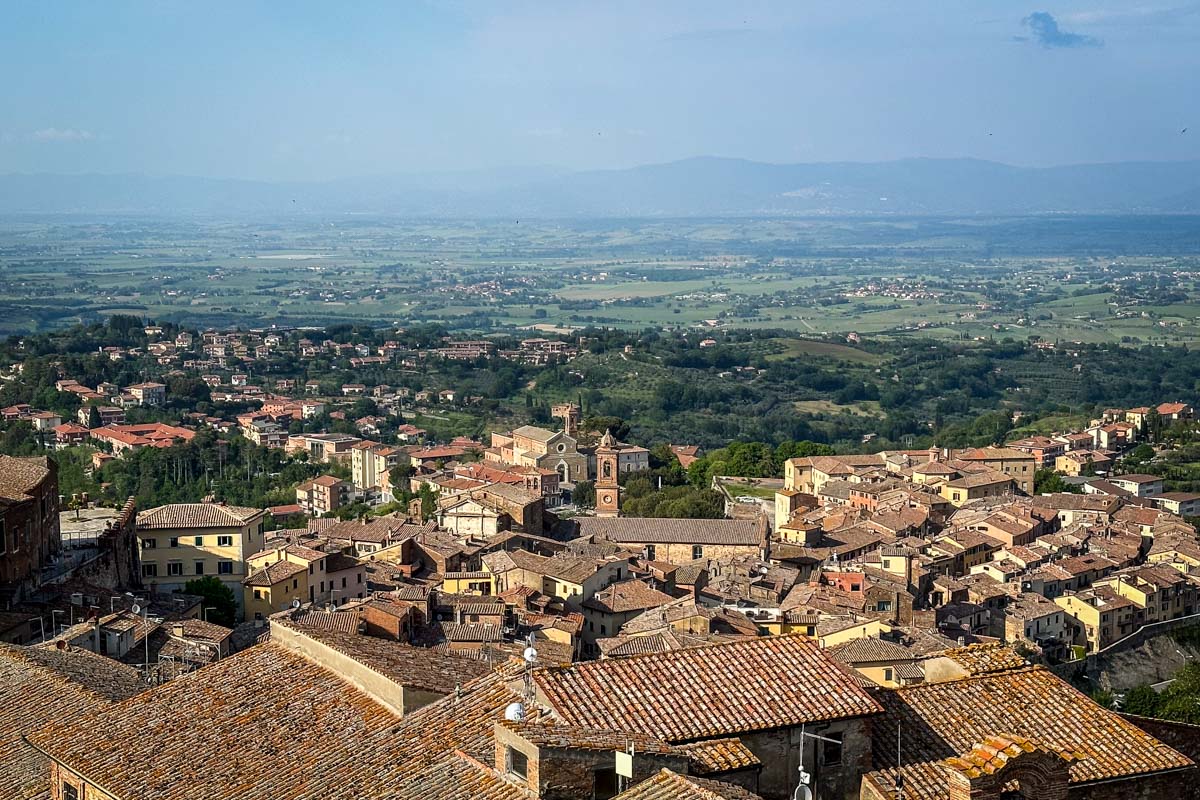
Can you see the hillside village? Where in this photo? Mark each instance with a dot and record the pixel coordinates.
(455, 616)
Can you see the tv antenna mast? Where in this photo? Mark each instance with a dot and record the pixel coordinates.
(803, 792)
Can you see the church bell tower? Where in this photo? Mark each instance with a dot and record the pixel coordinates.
(608, 491)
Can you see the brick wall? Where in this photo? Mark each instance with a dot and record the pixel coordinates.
(31, 533)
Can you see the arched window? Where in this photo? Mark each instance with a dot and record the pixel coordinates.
(606, 469)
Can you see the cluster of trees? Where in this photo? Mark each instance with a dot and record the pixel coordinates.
(751, 460)
(1178, 702)
(234, 471)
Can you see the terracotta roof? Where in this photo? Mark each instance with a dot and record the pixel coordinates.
(701, 692)
(43, 685)
(720, 755)
(640, 530)
(622, 646)
(19, 476)
(269, 695)
(471, 632)
(342, 621)
(868, 649)
(985, 658)
(943, 720)
(626, 596)
(196, 515)
(535, 433)
(668, 785)
(405, 665)
(562, 566)
(274, 574)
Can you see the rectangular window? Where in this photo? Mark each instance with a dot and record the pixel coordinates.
(697, 552)
(175, 568)
(258, 594)
(174, 541)
(518, 764)
(224, 567)
(199, 567)
(199, 541)
(224, 541)
(69, 792)
(343, 581)
(604, 783)
(149, 570)
(149, 544)
(649, 552)
(887, 674)
(831, 752)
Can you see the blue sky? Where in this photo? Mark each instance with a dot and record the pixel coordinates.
(304, 90)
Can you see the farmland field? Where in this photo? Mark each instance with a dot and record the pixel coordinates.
(815, 278)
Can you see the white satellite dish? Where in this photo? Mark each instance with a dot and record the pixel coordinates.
(515, 712)
(296, 603)
(135, 608)
(530, 655)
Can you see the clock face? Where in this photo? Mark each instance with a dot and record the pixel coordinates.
(608, 498)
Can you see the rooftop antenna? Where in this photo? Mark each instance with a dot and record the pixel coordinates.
(530, 656)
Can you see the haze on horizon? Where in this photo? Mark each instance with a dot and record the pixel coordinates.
(310, 90)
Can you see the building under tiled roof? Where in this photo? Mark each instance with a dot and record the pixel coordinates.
(939, 721)
(668, 785)
(640, 530)
(196, 515)
(627, 596)
(43, 685)
(792, 681)
(273, 574)
(868, 649)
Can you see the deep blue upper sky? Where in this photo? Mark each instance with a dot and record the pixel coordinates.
(298, 90)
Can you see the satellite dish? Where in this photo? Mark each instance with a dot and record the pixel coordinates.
(135, 608)
(530, 655)
(515, 712)
(296, 603)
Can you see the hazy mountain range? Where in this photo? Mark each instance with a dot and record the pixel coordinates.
(693, 187)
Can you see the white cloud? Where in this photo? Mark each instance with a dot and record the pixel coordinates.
(62, 135)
